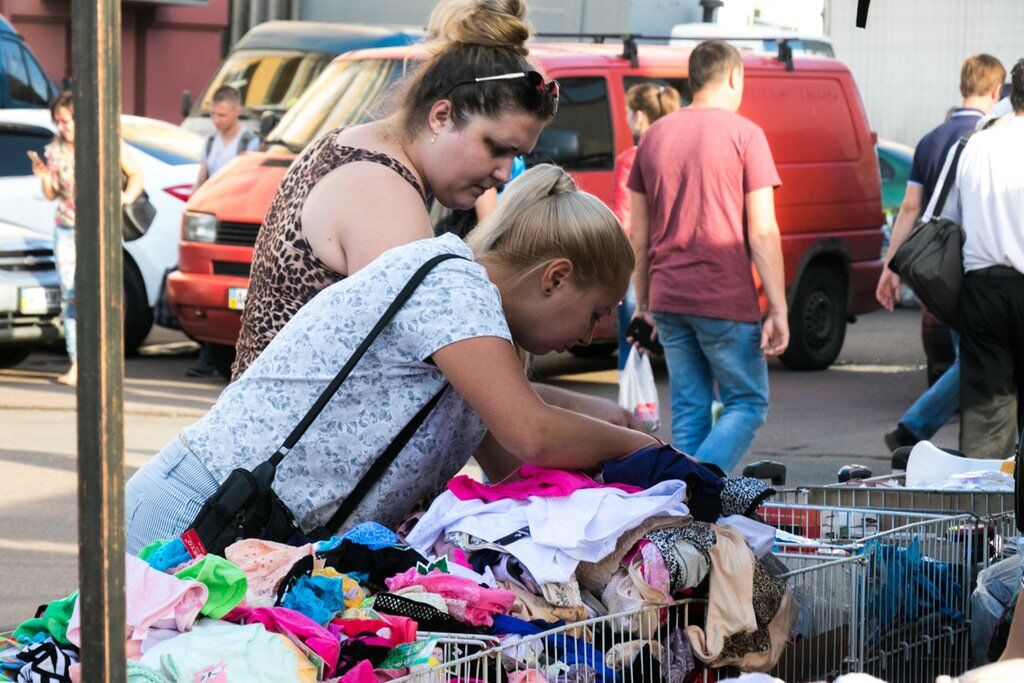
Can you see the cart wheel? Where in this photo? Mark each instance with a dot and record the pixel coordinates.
(848, 472)
(767, 469)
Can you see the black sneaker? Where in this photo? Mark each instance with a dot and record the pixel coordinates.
(899, 437)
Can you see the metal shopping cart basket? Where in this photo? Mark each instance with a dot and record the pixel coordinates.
(914, 592)
(647, 644)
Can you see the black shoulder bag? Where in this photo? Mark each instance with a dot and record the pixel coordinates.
(246, 506)
(931, 260)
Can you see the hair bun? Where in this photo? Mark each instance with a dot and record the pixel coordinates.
(491, 23)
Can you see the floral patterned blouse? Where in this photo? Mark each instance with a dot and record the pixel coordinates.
(60, 157)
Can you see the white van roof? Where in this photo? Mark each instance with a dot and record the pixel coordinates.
(743, 37)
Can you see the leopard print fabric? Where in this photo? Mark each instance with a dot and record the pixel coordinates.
(285, 272)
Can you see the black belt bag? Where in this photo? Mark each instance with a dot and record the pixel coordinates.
(245, 505)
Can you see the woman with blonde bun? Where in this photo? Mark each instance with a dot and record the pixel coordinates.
(355, 192)
(460, 120)
(536, 275)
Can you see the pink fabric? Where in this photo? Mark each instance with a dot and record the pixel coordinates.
(466, 600)
(533, 481)
(399, 629)
(154, 600)
(362, 673)
(265, 565)
(696, 167)
(284, 620)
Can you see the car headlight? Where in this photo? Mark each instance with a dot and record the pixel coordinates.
(198, 227)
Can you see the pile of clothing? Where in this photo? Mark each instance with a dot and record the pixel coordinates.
(508, 560)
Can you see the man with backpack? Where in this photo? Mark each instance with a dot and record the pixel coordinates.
(218, 149)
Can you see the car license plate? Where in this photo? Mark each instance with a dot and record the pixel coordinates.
(236, 298)
(39, 300)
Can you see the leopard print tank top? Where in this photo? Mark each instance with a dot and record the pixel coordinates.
(285, 272)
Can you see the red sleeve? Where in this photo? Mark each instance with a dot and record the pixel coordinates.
(636, 176)
(620, 190)
(758, 165)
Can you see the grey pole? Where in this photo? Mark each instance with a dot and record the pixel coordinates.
(96, 49)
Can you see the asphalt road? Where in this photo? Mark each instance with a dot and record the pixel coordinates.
(817, 422)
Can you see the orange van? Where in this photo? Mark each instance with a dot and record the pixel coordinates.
(829, 206)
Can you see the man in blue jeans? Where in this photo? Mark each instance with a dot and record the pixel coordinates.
(702, 192)
(981, 81)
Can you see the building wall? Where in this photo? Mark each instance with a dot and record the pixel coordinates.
(907, 61)
(164, 49)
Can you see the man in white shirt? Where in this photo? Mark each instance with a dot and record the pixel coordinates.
(218, 149)
(230, 138)
(988, 201)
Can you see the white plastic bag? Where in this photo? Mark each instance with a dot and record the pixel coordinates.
(637, 391)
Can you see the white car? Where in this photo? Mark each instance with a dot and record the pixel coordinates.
(169, 157)
(29, 293)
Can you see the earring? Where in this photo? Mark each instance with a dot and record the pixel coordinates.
(433, 139)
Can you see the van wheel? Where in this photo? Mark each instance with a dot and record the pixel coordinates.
(817, 320)
(11, 356)
(223, 358)
(138, 316)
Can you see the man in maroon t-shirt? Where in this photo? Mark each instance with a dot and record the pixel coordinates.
(702, 211)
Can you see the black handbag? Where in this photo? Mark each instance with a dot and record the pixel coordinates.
(245, 504)
(931, 260)
(137, 217)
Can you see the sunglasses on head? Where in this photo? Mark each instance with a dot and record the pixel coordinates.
(533, 78)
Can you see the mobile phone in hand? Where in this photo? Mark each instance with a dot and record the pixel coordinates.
(640, 332)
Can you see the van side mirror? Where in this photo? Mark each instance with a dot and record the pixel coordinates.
(186, 103)
(268, 121)
(556, 146)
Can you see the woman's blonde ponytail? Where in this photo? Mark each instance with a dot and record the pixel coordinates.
(543, 216)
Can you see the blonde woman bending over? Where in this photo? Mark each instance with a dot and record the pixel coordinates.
(537, 275)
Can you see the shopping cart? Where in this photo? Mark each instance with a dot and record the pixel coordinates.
(914, 591)
(646, 644)
(992, 511)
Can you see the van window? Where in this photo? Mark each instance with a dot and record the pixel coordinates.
(38, 81)
(19, 87)
(15, 143)
(580, 137)
(347, 93)
(680, 84)
(169, 144)
(806, 119)
(267, 80)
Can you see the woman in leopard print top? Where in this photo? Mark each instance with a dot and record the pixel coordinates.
(357, 192)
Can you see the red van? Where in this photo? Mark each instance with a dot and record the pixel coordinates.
(829, 206)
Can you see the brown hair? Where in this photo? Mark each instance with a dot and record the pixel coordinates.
(472, 39)
(711, 61)
(980, 75)
(227, 93)
(65, 100)
(1017, 87)
(653, 100)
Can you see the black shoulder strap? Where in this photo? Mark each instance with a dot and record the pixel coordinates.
(332, 388)
(246, 137)
(207, 147)
(950, 178)
(377, 469)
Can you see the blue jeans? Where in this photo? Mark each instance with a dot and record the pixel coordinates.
(65, 257)
(937, 405)
(626, 309)
(700, 352)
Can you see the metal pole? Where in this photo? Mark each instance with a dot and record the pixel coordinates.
(96, 48)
